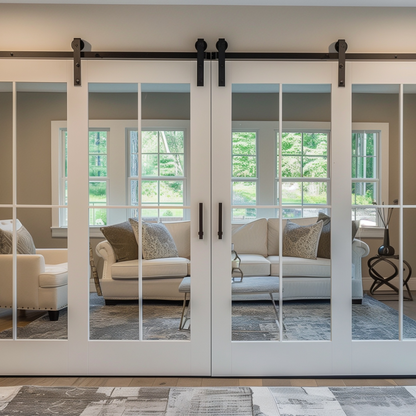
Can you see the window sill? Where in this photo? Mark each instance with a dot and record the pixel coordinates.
(62, 232)
(370, 232)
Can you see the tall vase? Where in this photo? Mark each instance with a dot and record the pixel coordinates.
(386, 249)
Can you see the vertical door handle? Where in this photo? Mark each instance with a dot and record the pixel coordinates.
(201, 221)
(220, 233)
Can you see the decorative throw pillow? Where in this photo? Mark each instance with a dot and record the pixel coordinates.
(157, 240)
(355, 227)
(324, 246)
(301, 241)
(122, 239)
(25, 244)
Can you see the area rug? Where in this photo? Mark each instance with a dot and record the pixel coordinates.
(219, 401)
(251, 321)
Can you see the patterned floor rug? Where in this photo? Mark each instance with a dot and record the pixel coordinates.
(219, 401)
(304, 320)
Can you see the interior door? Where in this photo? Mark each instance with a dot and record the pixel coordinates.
(134, 144)
(278, 134)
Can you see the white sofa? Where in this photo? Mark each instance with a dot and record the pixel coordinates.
(257, 244)
(42, 279)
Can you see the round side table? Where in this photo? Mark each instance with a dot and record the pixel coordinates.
(380, 280)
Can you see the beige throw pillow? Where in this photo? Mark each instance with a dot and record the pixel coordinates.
(25, 244)
(157, 240)
(301, 241)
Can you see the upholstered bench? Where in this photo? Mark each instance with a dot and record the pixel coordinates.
(247, 286)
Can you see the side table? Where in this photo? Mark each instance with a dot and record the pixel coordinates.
(380, 280)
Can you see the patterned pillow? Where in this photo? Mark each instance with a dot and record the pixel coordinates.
(122, 239)
(157, 240)
(25, 244)
(301, 241)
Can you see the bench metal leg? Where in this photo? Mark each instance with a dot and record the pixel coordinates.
(276, 311)
(185, 313)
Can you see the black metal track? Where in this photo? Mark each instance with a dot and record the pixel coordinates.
(295, 56)
(214, 55)
(105, 55)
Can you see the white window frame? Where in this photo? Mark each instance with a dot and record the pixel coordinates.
(117, 165)
(308, 127)
(266, 173)
(246, 179)
(166, 125)
(382, 157)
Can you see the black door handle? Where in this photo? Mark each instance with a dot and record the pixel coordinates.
(201, 221)
(220, 233)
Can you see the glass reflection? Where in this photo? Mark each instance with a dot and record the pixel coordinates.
(6, 277)
(409, 201)
(148, 174)
(375, 144)
(42, 277)
(164, 156)
(6, 156)
(255, 114)
(114, 310)
(303, 152)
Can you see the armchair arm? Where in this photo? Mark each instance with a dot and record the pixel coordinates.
(29, 266)
(105, 250)
(360, 249)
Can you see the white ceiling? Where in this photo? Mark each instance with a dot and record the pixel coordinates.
(354, 3)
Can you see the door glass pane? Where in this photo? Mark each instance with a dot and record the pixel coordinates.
(42, 269)
(409, 212)
(304, 155)
(254, 277)
(163, 191)
(375, 170)
(114, 310)
(6, 276)
(6, 197)
(6, 155)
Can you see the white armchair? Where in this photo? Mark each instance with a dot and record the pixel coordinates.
(42, 279)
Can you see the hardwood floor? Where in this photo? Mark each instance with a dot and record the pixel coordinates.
(198, 382)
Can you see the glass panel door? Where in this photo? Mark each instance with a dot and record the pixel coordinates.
(271, 186)
(148, 151)
(382, 146)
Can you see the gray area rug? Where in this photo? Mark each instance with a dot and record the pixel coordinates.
(221, 401)
(253, 321)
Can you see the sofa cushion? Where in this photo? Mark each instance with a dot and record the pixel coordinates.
(251, 238)
(55, 275)
(25, 244)
(273, 232)
(122, 239)
(181, 234)
(301, 241)
(296, 266)
(170, 266)
(254, 265)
